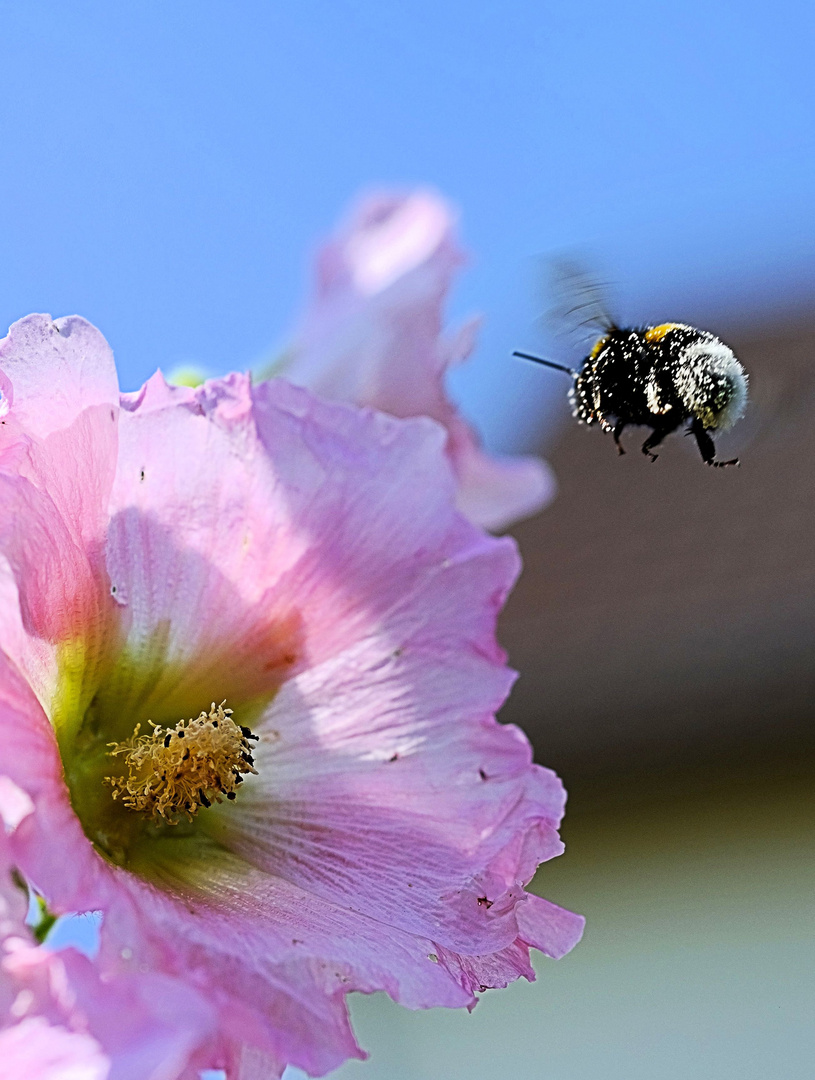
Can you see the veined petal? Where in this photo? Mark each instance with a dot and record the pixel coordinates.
(284, 549)
(194, 547)
(353, 765)
(57, 587)
(228, 939)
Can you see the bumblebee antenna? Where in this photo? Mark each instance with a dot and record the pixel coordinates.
(546, 363)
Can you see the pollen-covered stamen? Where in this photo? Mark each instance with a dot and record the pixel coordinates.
(173, 772)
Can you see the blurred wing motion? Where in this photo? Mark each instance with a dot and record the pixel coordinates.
(579, 301)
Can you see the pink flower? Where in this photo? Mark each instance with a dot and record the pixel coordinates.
(360, 821)
(372, 335)
(60, 1021)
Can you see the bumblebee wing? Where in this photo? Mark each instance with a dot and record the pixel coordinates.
(579, 301)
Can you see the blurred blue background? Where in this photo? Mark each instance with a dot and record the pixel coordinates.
(167, 168)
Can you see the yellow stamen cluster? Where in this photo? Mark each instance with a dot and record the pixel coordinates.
(174, 772)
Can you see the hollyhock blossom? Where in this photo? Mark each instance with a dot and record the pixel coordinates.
(248, 678)
(373, 335)
(60, 1021)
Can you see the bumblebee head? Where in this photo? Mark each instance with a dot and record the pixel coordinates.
(711, 383)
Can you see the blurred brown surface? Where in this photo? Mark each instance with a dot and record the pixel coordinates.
(666, 613)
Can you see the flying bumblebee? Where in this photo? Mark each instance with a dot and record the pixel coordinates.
(662, 377)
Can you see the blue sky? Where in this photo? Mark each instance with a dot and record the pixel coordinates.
(168, 167)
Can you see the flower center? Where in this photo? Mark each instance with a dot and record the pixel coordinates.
(173, 772)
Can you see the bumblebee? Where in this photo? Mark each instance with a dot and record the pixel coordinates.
(663, 377)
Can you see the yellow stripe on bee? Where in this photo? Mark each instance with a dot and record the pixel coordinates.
(598, 346)
(657, 333)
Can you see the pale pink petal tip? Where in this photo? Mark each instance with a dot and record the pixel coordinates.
(391, 237)
(495, 492)
(373, 335)
(551, 929)
(52, 370)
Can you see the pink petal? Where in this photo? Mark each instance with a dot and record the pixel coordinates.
(195, 548)
(15, 804)
(139, 1027)
(37, 1050)
(496, 491)
(248, 551)
(228, 946)
(60, 389)
(49, 842)
(373, 335)
(57, 462)
(53, 371)
(150, 1025)
(58, 589)
(547, 927)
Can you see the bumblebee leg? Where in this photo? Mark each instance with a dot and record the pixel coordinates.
(706, 447)
(656, 437)
(619, 428)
